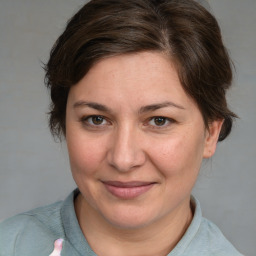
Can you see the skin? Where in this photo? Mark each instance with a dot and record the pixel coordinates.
(128, 142)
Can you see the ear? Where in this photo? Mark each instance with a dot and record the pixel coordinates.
(211, 138)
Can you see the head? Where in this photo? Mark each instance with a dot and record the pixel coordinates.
(139, 85)
(182, 30)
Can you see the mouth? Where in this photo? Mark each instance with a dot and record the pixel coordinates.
(127, 190)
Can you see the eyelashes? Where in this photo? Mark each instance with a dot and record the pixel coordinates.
(99, 122)
(160, 121)
(95, 122)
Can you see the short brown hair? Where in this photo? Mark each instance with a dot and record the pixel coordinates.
(182, 29)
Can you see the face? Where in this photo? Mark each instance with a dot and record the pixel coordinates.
(135, 140)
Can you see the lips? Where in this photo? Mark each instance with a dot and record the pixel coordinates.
(128, 190)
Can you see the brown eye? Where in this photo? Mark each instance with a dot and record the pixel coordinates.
(97, 120)
(159, 121)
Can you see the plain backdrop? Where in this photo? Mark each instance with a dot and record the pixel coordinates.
(35, 170)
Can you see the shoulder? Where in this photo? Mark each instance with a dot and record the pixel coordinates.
(211, 241)
(33, 229)
(204, 238)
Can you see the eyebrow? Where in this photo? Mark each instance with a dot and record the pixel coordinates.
(157, 106)
(144, 109)
(93, 105)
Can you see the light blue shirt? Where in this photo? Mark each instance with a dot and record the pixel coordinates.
(34, 233)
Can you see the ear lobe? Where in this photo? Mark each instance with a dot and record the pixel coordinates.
(211, 138)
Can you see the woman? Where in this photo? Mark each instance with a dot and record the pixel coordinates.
(138, 92)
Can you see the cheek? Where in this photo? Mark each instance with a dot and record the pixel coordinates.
(85, 157)
(180, 155)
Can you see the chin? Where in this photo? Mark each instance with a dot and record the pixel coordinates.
(129, 224)
(130, 218)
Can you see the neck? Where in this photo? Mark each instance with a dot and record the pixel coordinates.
(157, 238)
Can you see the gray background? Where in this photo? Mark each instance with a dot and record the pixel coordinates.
(35, 170)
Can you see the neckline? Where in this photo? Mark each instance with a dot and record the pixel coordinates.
(72, 230)
(192, 230)
(76, 238)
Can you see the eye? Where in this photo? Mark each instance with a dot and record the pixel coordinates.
(94, 120)
(159, 121)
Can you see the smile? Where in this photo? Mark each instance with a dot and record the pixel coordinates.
(127, 190)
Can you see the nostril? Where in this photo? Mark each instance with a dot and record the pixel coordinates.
(124, 163)
(125, 152)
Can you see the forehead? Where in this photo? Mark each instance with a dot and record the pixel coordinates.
(141, 78)
(143, 66)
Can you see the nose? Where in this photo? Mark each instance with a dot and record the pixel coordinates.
(126, 151)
